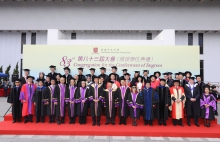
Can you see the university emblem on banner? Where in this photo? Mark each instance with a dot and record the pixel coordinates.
(95, 50)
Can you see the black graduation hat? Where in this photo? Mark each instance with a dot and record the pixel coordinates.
(92, 69)
(72, 78)
(26, 70)
(166, 73)
(124, 70)
(193, 78)
(197, 76)
(88, 75)
(112, 74)
(127, 74)
(181, 73)
(114, 67)
(162, 80)
(188, 72)
(80, 69)
(62, 76)
(94, 76)
(102, 68)
(52, 66)
(157, 72)
(40, 80)
(110, 82)
(53, 79)
(146, 71)
(31, 77)
(213, 86)
(153, 76)
(169, 73)
(83, 80)
(59, 74)
(101, 76)
(148, 82)
(177, 73)
(137, 72)
(122, 78)
(17, 80)
(207, 86)
(176, 81)
(67, 68)
(48, 76)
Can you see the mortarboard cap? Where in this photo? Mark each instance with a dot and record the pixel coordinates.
(67, 68)
(30, 77)
(197, 76)
(80, 69)
(137, 71)
(102, 68)
(213, 86)
(52, 79)
(166, 73)
(146, 71)
(124, 70)
(112, 74)
(26, 69)
(88, 75)
(170, 73)
(114, 67)
(94, 76)
(162, 80)
(176, 73)
(17, 80)
(153, 76)
(157, 72)
(181, 73)
(188, 72)
(40, 80)
(192, 78)
(127, 74)
(92, 69)
(59, 74)
(176, 81)
(52, 66)
(110, 82)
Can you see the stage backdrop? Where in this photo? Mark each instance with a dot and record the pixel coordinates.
(134, 58)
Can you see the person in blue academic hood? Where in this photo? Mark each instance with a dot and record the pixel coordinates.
(150, 98)
(38, 100)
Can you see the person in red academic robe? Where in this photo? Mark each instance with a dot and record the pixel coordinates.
(177, 103)
(115, 84)
(26, 95)
(154, 83)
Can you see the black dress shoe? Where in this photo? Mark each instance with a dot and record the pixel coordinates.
(25, 121)
(98, 124)
(125, 123)
(135, 124)
(164, 124)
(174, 124)
(120, 123)
(93, 124)
(159, 124)
(106, 123)
(37, 121)
(197, 124)
(181, 125)
(13, 121)
(19, 120)
(113, 123)
(58, 122)
(189, 124)
(70, 122)
(31, 121)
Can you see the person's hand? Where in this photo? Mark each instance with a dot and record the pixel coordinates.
(178, 101)
(83, 101)
(55, 103)
(134, 106)
(72, 102)
(192, 100)
(34, 103)
(11, 104)
(167, 105)
(154, 106)
(24, 101)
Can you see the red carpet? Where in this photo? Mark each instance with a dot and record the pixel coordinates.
(7, 127)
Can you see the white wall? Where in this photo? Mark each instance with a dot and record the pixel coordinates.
(106, 15)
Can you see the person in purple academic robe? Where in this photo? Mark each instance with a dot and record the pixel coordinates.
(208, 106)
(59, 100)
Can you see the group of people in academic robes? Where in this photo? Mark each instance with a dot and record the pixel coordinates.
(152, 97)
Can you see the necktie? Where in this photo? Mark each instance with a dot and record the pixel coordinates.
(30, 88)
(177, 93)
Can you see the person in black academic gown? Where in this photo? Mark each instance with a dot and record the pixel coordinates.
(215, 94)
(24, 77)
(58, 78)
(150, 98)
(114, 70)
(110, 102)
(95, 96)
(124, 71)
(105, 76)
(82, 106)
(192, 101)
(47, 81)
(133, 81)
(48, 108)
(123, 92)
(71, 100)
(183, 82)
(145, 76)
(92, 73)
(67, 75)
(59, 100)
(52, 74)
(163, 92)
(15, 102)
(80, 75)
(38, 101)
(200, 84)
(135, 102)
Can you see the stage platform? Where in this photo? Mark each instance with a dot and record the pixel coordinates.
(7, 127)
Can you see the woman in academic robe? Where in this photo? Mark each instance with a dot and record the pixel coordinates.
(41, 76)
(38, 101)
(15, 102)
(96, 98)
(127, 79)
(58, 78)
(163, 102)
(135, 103)
(208, 106)
(188, 74)
(112, 78)
(123, 92)
(82, 106)
(71, 100)
(48, 108)
(59, 100)
(154, 82)
(139, 83)
(157, 74)
(133, 81)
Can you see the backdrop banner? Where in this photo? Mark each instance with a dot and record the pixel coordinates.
(134, 58)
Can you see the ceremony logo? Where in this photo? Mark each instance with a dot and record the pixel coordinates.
(95, 50)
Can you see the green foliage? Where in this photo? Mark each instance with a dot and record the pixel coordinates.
(1, 69)
(7, 71)
(16, 70)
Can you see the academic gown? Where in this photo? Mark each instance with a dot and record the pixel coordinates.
(27, 95)
(38, 100)
(96, 93)
(123, 101)
(106, 78)
(164, 99)
(116, 77)
(146, 79)
(46, 84)
(110, 102)
(81, 77)
(150, 98)
(135, 99)
(59, 97)
(82, 108)
(177, 108)
(133, 81)
(201, 88)
(57, 82)
(17, 105)
(192, 105)
(67, 79)
(208, 113)
(48, 95)
(23, 81)
(71, 96)
(54, 75)
(183, 83)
